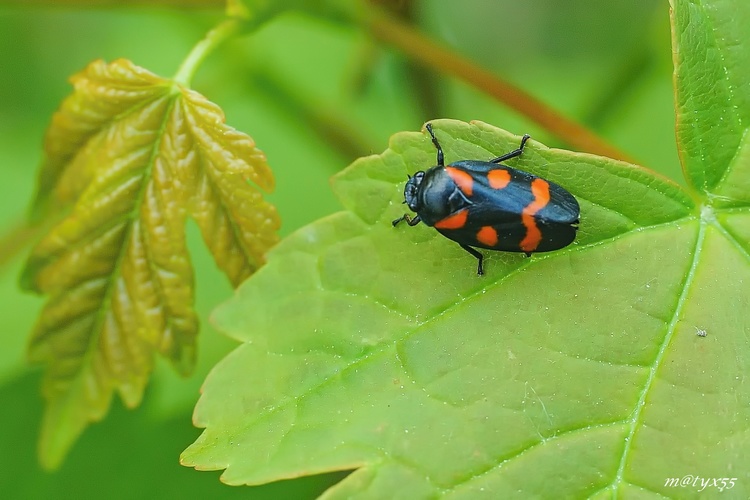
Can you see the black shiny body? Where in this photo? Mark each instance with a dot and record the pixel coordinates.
(488, 205)
(439, 197)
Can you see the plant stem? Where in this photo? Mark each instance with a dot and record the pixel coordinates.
(16, 239)
(386, 28)
(210, 42)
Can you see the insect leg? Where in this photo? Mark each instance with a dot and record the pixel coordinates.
(513, 154)
(479, 257)
(440, 160)
(409, 220)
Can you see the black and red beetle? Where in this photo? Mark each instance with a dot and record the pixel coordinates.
(486, 204)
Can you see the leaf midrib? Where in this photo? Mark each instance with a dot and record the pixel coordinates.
(67, 158)
(116, 270)
(641, 403)
(227, 210)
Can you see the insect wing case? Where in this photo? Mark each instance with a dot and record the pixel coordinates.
(501, 208)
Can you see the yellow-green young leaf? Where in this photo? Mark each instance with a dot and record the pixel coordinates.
(128, 156)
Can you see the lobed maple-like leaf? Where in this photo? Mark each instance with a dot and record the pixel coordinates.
(128, 156)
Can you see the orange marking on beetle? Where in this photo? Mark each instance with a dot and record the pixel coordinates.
(540, 190)
(462, 179)
(455, 221)
(498, 178)
(487, 236)
(533, 237)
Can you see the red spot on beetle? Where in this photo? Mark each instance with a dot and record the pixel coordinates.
(455, 221)
(540, 190)
(498, 178)
(487, 236)
(462, 179)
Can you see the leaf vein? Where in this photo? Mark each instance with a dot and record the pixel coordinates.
(641, 403)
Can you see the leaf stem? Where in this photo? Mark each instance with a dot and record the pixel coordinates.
(213, 39)
(16, 239)
(423, 49)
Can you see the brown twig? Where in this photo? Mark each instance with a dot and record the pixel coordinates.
(387, 29)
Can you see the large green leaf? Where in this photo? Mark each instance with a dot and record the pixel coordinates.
(612, 367)
(128, 156)
(712, 94)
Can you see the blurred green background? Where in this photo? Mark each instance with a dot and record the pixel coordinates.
(314, 94)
